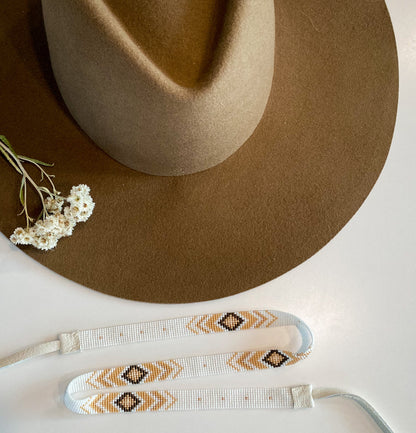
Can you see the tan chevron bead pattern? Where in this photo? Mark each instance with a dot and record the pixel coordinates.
(133, 401)
(128, 402)
(188, 367)
(170, 369)
(198, 399)
(258, 360)
(134, 374)
(180, 327)
(241, 320)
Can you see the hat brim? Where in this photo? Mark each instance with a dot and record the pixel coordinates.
(282, 196)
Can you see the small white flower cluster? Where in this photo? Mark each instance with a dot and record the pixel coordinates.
(59, 222)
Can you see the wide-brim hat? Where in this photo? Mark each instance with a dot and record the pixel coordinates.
(247, 181)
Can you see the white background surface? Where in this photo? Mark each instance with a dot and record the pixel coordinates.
(357, 294)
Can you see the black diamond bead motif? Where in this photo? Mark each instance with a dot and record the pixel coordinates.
(275, 358)
(127, 402)
(134, 374)
(231, 321)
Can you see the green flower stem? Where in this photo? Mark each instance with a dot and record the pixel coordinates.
(11, 156)
(42, 171)
(3, 150)
(28, 218)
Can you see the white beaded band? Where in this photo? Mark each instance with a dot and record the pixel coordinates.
(180, 368)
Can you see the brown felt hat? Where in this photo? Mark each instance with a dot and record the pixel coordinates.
(224, 142)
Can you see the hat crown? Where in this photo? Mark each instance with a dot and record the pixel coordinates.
(146, 110)
(180, 37)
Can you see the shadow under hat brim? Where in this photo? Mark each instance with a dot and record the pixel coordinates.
(282, 196)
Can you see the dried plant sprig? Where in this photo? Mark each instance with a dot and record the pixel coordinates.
(16, 161)
(59, 215)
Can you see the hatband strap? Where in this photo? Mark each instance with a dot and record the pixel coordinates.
(180, 368)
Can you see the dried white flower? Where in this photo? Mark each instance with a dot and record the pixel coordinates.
(22, 236)
(56, 219)
(80, 189)
(60, 220)
(55, 225)
(54, 205)
(81, 203)
(45, 242)
(66, 226)
(78, 194)
(83, 211)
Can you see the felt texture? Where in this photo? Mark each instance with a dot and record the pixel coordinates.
(306, 169)
(137, 113)
(180, 38)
